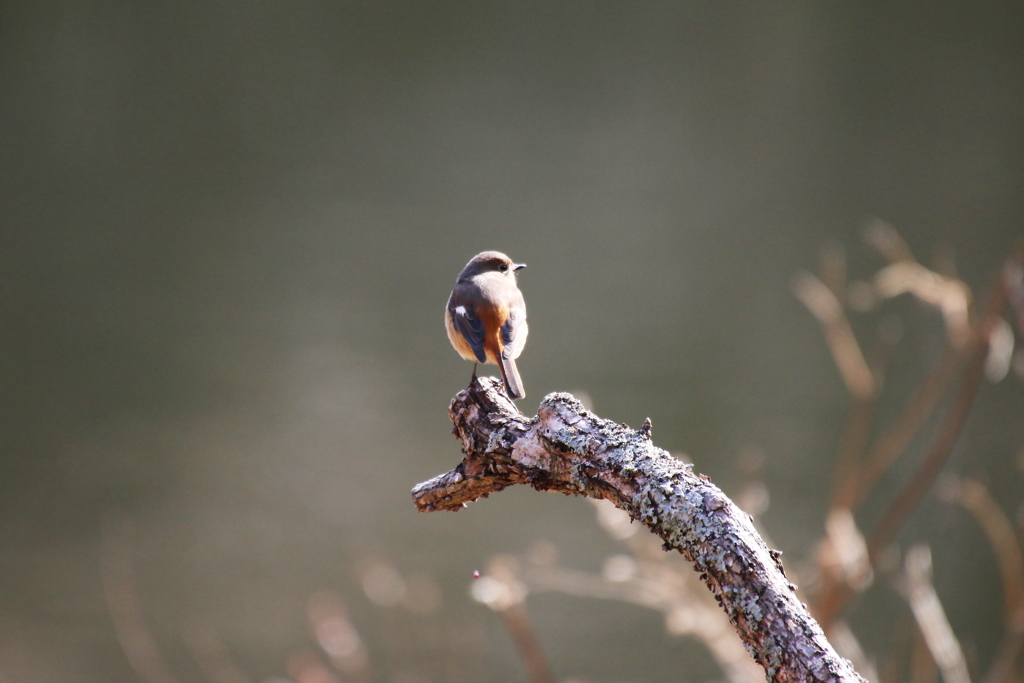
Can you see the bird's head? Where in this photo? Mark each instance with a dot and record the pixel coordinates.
(490, 262)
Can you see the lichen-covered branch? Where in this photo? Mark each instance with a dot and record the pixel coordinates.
(566, 448)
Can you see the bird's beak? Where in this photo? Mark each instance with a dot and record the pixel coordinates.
(518, 266)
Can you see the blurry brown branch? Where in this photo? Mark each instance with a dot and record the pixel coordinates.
(566, 448)
(951, 297)
(117, 569)
(916, 585)
(1013, 279)
(830, 604)
(967, 351)
(518, 625)
(843, 557)
(824, 305)
(949, 430)
(908, 424)
(338, 638)
(884, 238)
(501, 590)
(923, 668)
(684, 615)
(974, 497)
(648, 577)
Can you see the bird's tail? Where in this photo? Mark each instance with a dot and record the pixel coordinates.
(509, 373)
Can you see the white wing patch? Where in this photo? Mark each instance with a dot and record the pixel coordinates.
(461, 310)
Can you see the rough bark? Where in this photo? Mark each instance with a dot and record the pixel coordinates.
(568, 449)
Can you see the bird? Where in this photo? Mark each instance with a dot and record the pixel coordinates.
(486, 316)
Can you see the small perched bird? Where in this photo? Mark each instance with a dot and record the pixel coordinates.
(486, 316)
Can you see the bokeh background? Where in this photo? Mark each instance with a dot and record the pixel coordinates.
(228, 230)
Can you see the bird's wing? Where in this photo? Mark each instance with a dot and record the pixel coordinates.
(466, 322)
(513, 332)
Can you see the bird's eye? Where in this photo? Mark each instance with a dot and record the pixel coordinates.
(503, 267)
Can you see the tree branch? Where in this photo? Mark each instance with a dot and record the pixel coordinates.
(566, 448)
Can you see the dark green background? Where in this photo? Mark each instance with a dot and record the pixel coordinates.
(228, 230)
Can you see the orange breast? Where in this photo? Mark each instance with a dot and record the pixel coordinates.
(493, 318)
